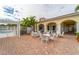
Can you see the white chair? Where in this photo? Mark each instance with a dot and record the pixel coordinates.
(43, 38)
(48, 32)
(34, 34)
(62, 34)
(40, 35)
(53, 36)
(46, 39)
(53, 33)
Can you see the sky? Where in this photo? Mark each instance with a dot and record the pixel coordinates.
(41, 10)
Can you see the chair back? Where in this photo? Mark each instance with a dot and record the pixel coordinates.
(40, 34)
(62, 33)
(32, 33)
(48, 32)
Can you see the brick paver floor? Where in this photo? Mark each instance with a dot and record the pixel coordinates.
(28, 45)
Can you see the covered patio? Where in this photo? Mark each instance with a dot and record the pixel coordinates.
(51, 27)
(69, 24)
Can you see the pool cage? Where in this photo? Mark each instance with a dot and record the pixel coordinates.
(9, 28)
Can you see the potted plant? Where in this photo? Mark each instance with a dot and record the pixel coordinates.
(77, 34)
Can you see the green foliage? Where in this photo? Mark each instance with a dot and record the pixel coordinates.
(77, 33)
(28, 21)
(77, 8)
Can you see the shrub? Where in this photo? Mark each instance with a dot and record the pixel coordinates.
(77, 34)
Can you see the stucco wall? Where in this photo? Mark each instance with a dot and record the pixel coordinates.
(75, 18)
(59, 21)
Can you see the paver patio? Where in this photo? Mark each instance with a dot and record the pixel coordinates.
(27, 45)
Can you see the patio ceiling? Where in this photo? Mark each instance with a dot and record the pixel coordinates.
(69, 22)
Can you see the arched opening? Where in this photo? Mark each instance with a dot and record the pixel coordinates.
(51, 27)
(68, 26)
(41, 28)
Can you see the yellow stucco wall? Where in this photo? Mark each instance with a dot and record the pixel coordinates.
(59, 21)
(75, 18)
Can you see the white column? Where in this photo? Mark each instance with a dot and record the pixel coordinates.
(45, 28)
(58, 29)
(37, 27)
(77, 27)
(18, 29)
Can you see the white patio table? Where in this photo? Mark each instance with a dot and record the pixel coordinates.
(47, 35)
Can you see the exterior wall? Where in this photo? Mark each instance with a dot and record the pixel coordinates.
(59, 21)
(77, 27)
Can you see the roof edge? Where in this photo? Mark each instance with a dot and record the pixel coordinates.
(63, 16)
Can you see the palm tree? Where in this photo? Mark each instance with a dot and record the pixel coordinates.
(28, 22)
(32, 20)
(77, 8)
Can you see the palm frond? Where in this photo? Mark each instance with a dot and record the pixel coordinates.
(77, 8)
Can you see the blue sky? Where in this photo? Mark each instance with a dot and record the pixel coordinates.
(43, 10)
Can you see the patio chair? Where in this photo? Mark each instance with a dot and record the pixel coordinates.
(46, 39)
(39, 32)
(53, 33)
(34, 34)
(58, 34)
(48, 32)
(53, 36)
(43, 38)
(41, 35)
(62, 34)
